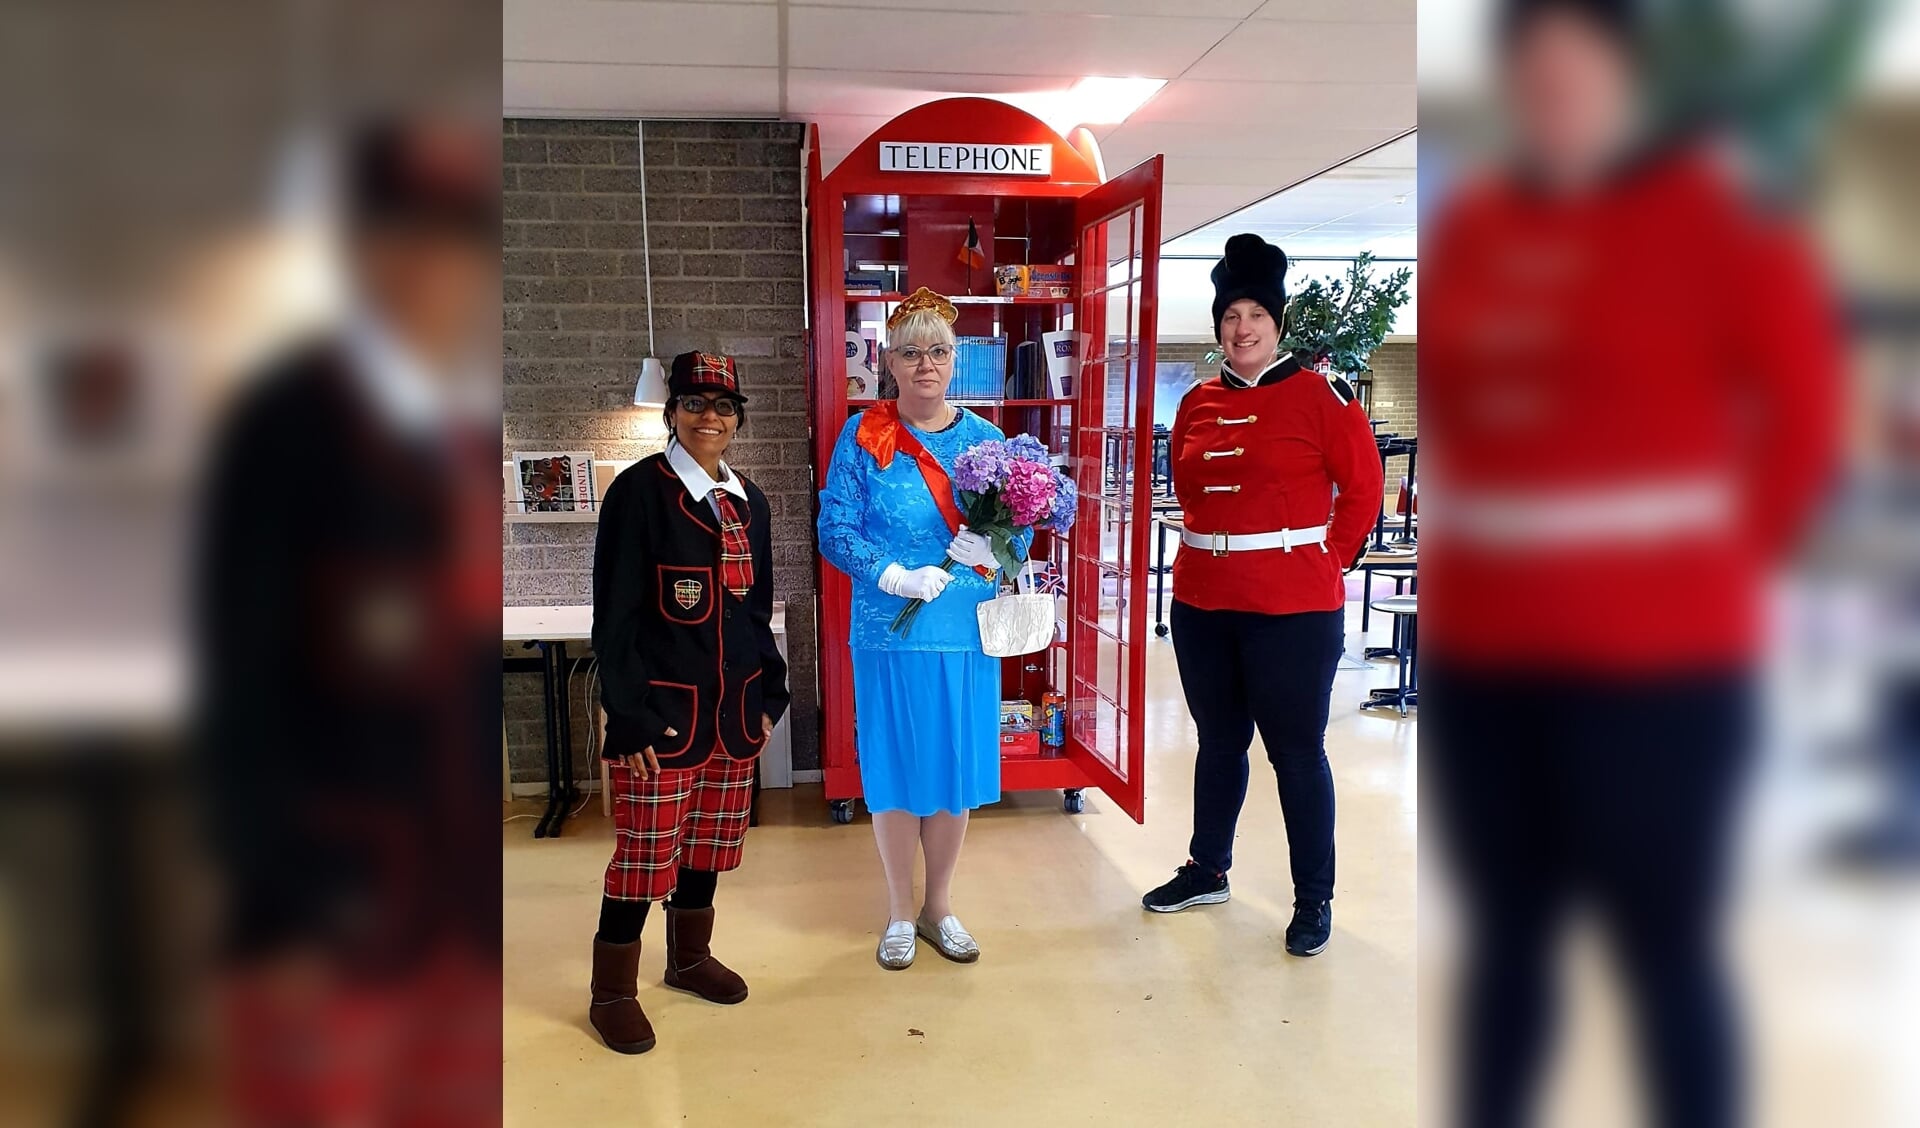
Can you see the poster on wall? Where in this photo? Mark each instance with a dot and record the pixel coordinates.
(553, 481)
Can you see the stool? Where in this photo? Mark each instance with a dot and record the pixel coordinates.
(1400, 577)
(1405, 610)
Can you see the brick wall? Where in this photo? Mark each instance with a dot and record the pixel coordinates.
(1395, 398)
(723, 211)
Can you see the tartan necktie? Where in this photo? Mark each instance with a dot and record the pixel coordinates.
(736, 553)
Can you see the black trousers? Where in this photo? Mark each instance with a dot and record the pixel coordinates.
(1615, 796)
(1241, 671)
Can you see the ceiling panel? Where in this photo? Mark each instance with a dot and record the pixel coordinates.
(596, 90)
(1338, 11)
(853, 40)
(811, 93)
(1314, 52)
(1313, 149)
(640, 31)
(1275, 109)
(1366, 204)
(1264, 173)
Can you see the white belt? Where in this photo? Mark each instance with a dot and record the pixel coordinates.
(1220, 544)
(1638, 512)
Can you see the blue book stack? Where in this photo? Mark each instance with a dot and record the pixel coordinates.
(979, 368)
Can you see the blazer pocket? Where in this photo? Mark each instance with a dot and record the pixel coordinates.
(750, 710)
(686, 594)
(679, 706)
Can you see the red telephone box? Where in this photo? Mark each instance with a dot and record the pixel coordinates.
(901, 205)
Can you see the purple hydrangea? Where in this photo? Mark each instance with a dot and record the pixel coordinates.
(1065, 499)
(982, 466)
(1027, 447)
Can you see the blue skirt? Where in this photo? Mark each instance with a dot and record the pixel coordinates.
(927, 729)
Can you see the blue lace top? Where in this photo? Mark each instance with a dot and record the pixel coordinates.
(870, 518)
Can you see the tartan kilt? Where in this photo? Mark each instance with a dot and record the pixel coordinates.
(692, 817)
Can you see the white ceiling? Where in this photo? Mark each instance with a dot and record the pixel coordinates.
(1367, 204)
(1260, 94)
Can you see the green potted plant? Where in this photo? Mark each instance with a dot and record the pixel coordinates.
(1341, 322)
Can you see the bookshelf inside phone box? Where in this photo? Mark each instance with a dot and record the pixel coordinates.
(988, 206)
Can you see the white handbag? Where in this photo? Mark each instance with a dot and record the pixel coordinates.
(1020, 623)
(1012, 625)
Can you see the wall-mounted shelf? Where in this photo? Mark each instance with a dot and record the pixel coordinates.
(960, 300)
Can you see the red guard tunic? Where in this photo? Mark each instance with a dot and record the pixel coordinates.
(1259, 459)
(1630, 401)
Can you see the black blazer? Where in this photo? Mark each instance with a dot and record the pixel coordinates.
(331, 746)
(676, 649)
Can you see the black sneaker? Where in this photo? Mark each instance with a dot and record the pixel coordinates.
(1312, 926)
(1191, 885)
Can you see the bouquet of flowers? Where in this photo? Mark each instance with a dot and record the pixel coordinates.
(1007, 487)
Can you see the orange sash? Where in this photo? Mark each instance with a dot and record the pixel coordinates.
(881, 434)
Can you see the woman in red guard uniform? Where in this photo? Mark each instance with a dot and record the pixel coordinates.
(1627, 387)
(1259, 589)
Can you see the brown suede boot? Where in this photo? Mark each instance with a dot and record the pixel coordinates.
(690, 963)
(616, 1012)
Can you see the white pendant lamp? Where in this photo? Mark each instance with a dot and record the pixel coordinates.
(650, 390)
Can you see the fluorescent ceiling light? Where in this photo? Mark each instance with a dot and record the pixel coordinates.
(1091, 101)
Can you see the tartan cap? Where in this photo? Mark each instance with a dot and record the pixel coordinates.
(704, 372)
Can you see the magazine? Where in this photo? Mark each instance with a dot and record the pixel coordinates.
(554, 481)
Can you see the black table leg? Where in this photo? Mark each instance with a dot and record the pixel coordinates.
(1366, 602)
(1413, 659)
(1404, 695)
(1160, 584)
(569, 793)
(1380, 520)
(555, 774)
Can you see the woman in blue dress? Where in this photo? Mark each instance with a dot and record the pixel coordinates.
(926, 703)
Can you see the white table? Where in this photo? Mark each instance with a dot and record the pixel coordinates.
(550, 629)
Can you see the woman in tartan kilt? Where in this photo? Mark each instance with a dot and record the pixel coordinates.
(693, 685)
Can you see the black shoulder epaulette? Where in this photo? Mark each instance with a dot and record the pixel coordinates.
(1341, 388)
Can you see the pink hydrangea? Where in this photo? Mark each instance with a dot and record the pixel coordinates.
(1029, 491)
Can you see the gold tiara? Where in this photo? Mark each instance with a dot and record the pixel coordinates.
(922, 299)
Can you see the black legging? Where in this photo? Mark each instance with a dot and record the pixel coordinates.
(621, 921)
(1617, 795)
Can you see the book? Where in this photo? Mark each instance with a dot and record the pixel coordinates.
(870, 281)
(553, 481)
(1063, 348)
(1050, 281)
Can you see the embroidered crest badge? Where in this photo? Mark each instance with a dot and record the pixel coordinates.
(687, 593)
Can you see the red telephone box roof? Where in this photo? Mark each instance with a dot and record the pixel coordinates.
(964, 121)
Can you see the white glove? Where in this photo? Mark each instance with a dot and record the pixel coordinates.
(920, 583)
(972, 549)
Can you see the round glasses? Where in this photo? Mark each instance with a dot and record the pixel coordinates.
(939, 354)
(698, 405)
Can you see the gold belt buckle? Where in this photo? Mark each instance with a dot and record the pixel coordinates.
(1219, 544)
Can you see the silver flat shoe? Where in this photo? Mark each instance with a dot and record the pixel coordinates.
(896, 946)
(950, 938)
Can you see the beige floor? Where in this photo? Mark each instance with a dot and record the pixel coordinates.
(1083, 1008)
